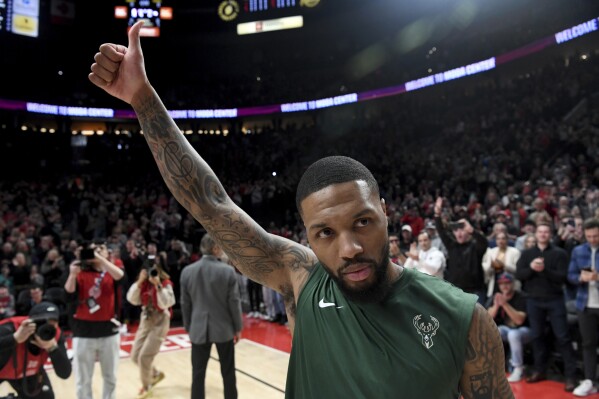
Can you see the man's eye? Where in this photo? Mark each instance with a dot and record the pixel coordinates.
(325, 233)
(362, 222)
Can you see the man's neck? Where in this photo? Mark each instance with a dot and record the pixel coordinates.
(542, 246)
(395, 272)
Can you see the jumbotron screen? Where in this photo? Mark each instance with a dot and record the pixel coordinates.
(20, 17)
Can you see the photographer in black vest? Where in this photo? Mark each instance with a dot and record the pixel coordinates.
(26, 343)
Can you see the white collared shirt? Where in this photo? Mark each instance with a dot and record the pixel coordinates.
(430, 262)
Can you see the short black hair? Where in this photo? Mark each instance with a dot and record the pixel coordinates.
(530, 222)
(591, 223)
(332, 170)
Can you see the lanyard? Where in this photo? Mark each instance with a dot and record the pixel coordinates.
(99, 280)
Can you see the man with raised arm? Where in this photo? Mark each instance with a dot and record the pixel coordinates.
(363, 326)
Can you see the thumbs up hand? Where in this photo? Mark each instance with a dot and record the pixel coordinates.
(120, 70)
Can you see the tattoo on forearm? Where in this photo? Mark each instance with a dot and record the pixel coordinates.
(196, 187)
(485, 377)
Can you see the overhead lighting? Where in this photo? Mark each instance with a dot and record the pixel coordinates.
(87, 132)
(52, 130)
(23, 128)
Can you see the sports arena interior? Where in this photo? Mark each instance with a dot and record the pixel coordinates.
(491, 105)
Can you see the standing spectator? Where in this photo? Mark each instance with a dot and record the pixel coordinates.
(466, 248)
(177, 258)
(5, 277)
(499, 228)
(7, 303)
(8, 253)
(543, 271)
(29, 298)
(582, 272)
(435, 239)
(508, 309)
(530, 241)
(394, 252)
(254, 291)
(540, 214)
(428, 259)
(35, 276)
(95, 329)
(270, 309)
(53, 269)
(211, 310)
(413, 219)
(406, 238)
(528, 229)
(569, 233)
(132, 262)
(153, 290)
(20, 271)
(497, 260)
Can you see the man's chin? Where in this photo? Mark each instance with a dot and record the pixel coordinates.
(367, 291)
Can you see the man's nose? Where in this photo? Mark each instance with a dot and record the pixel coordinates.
(349, 246)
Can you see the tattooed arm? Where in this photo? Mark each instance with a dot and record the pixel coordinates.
(484, 370)
(268, 259)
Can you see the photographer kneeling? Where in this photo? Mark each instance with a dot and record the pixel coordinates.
(94, 281)
(26, 342)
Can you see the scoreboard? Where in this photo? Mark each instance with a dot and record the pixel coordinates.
(251, 10)
(151, 12)
(263, 5)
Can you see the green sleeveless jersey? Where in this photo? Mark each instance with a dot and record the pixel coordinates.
(411, 346)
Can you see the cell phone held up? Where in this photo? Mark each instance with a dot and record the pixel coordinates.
(456, 225)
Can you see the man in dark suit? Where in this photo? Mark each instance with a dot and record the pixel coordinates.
(211, 310)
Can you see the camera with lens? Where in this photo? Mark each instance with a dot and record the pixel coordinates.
(43, 329)
(456, 225)
(87, 255)
(150, 266)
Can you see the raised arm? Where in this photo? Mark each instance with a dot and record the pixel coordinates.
(484, 369)
(268, 259)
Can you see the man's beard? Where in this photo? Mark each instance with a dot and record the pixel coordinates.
(377, 291)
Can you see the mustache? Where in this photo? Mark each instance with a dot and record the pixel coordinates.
(356, 261)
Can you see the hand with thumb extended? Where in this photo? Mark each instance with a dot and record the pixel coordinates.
(120, 70)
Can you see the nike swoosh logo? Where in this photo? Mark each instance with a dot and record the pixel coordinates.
(324, 304)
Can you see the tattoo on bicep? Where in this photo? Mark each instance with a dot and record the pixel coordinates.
(484, 357)
(470, 351)
(293, 256)
(480, 385)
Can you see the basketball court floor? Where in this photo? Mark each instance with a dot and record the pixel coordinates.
(261, 359)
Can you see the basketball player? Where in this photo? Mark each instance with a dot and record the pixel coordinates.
(363, 326)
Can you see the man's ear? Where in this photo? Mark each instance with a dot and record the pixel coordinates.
(383, 206)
